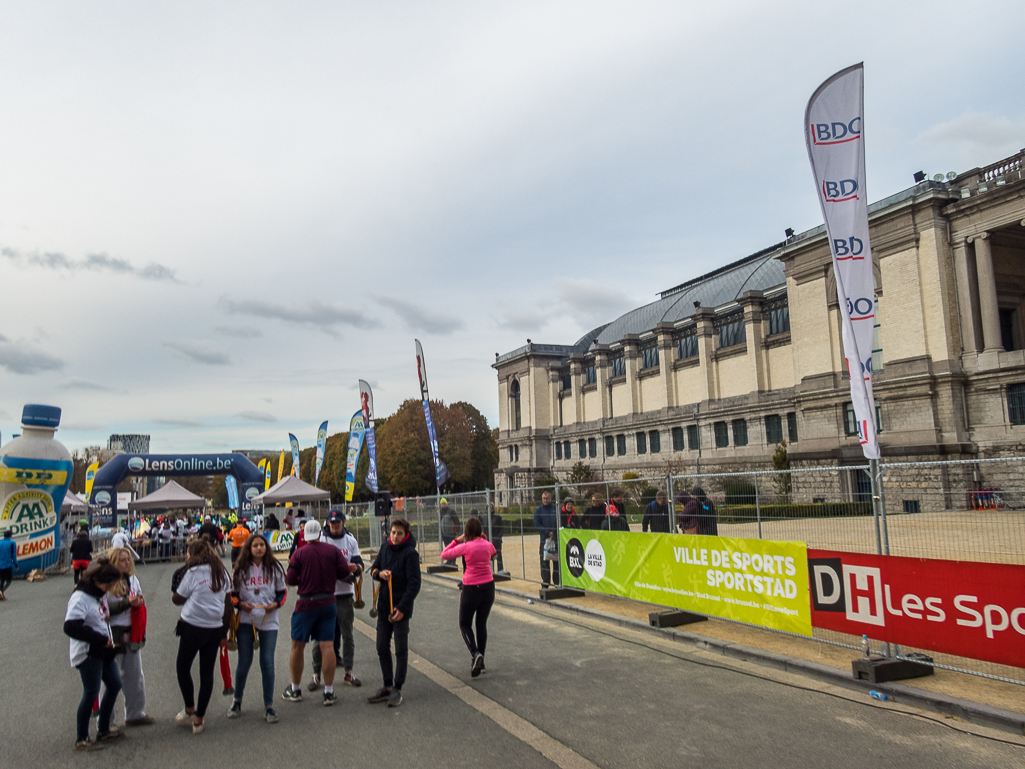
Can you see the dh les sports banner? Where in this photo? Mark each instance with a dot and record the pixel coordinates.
(232, 486)
(321, 446)
(294, 443)
(758, 581)
(366, 399)
(356, 431)
(834, 133)
(441, 473)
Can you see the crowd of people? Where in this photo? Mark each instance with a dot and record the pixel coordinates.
(237, 609)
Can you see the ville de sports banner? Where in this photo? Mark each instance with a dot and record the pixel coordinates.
(761, 582)
(970, 609)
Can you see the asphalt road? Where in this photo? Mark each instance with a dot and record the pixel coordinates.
(562, 691)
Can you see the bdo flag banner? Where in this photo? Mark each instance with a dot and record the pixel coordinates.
(441, 473)
(366, 399)
(834, 133)
(232, 486)
(356, 431)
(294, 443)
(321, 446)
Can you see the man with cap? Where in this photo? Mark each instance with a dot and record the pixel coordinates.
(345, 594)
(314, 570)
(8, 562)
(450, 525)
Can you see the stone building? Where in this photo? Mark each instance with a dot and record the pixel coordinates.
(721, 368)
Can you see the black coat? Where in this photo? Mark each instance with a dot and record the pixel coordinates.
(403, 561)
(657, 518)
(593, 517)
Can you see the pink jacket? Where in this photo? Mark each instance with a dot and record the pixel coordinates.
(478, 554)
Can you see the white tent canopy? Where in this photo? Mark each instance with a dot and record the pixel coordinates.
(170, 496)
(292, 489)
(74, 503)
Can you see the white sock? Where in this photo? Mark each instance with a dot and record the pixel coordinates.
(328, 689)
(296, 687)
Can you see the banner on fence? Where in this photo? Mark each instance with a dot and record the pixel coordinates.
(974, 610)
(760, 582)
(281, 540)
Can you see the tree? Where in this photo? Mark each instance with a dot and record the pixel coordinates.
(782, 481)
(484, 451)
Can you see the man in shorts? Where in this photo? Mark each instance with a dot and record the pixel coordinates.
(314, 569)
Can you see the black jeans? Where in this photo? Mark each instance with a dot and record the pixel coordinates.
(6, 577)
(205, 642)
(93, 670)
(385, 630)
(475, 600)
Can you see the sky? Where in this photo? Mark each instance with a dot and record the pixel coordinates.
(215, 218)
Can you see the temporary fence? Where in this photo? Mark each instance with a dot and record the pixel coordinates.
(960, 510)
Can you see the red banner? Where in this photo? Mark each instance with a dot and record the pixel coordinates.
(974, 610)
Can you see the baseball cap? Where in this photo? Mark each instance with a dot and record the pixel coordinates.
(311, 530)
(336, 515)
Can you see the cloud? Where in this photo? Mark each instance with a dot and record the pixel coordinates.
(21, 359)
(85, 384)
(256, 416)
(982, 133)
(54, 260)
(239, 332)
(589, 302)
(315, 314)
(419, 319)
(177, 423)
(82, 426)
(524, 321)
(200, 352)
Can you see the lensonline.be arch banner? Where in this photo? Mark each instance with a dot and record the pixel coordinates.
(104, 491)
(757, 581)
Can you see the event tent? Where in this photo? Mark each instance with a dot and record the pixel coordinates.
(170, 496)
(292, 489)
(74, 503)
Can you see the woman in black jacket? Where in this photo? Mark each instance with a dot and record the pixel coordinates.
(397, 568)
(594, 516)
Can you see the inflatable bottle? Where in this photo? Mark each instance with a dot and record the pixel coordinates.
(35, 471)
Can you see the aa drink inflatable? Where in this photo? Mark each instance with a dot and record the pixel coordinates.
(35, 471)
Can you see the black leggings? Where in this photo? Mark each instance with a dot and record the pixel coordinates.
(203, 641)
(476, 599)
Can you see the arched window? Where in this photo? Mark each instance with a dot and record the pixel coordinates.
(514, 393)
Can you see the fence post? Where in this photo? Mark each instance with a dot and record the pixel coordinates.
(437, 504)
(758, 508)
(487, 514)
(558, 539)
(872, 464)
(879, 513)
(671, 506)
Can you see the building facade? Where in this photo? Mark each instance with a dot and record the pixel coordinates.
(720, 369)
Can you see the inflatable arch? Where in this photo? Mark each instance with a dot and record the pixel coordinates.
(104, 492)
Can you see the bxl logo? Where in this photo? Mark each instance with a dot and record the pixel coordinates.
(839, 191)
(851, 248)
(836, 132)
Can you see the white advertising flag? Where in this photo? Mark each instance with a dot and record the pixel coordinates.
(834, 133)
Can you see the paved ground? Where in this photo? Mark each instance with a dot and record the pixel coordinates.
(562, 691)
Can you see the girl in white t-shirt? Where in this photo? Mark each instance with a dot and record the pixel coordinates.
(203, 594)
(258, 586)
(92, 652)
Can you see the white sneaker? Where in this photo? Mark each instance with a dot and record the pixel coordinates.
(185, 718)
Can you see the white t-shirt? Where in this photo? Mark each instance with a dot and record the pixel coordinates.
(124, 619)
(349, 548)
(120, 539)
(257, 588)
(94, 611)
(205, 606)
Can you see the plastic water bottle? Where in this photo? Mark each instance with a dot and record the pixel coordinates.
(530, 602)
(877, 695)
(864, 645)
(35, 471)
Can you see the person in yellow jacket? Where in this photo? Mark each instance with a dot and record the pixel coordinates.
(238, 537)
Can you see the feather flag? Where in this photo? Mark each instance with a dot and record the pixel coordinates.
(356, 432)
(267, 468)
(366, 399)
(90, 475)
(232, 486)
(294, 442)
(441, 473)
(281, 465)
(321, 447)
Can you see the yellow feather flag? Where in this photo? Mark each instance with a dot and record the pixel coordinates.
(281, 465)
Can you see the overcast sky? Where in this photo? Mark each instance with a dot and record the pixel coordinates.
(216, 217)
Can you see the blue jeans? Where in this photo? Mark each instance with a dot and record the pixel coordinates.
(268, 640)
(93, 671)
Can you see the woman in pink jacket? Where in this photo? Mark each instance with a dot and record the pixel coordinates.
(478, 589)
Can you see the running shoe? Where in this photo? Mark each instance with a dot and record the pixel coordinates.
(198, 728)
(184, 718)
(329, 699)
(351, 680)
(236, 709)
(88, 745)
(395, 698)
(478, 665)
(113, 733)
(292, 695)
(382, 695)
(314, 684)
(271, 716)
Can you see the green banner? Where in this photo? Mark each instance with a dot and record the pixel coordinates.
(758, 581)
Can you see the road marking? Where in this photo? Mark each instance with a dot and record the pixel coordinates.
(559, 754)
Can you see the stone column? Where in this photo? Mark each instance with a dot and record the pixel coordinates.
(752, 302)
(665, 360)
(987, 293)
(630, 354)
(576, 371)
(704, 317)
(966, 299)
(601, 369)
